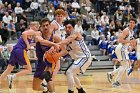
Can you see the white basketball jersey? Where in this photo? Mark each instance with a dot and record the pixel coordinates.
(60, 31)
(78, 49)
(130, 36)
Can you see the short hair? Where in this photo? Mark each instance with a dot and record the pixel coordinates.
(132, 19)
(71, 21)
(34, 23)
(45, 20)
(59, 12)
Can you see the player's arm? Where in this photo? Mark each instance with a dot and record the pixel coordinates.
(56, 38)
(47, 42)
(52, 27)
(25, 37)
(63, 51)
(70, 39)
(122, 37)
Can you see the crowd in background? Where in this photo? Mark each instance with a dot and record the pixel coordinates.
(101, 20)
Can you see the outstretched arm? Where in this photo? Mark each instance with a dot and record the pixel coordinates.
(25, 37)
(69, 39)
(47, 42)
(122, 37)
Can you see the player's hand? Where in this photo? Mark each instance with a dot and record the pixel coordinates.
(28, 47)
(133, 42)
(57, 47)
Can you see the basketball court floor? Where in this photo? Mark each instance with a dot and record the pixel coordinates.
(92, 81)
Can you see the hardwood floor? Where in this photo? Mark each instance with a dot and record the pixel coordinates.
(92, 81)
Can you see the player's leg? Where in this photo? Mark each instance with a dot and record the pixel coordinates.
(70, 79)
(57, 67)
(38, 84)
(123, 58)
(48, 77)
(6, 72)
(22, 59)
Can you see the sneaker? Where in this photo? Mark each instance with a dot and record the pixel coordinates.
(45, 88)
(10, 80)
(45, 92)
(116, 84)
(109, 77)
(69, 91)
(129, 71)
(81, 90)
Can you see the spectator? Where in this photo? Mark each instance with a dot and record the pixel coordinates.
(2, 10)
(13, 4)
(11, 30)
(51, 8)
(95, 36)
(56, 3)
(41, 2)
(6, 5)
(34, 8)
(83, 11)
(18, 9)
(14, 17)
(20, 27)
(24, 17)
(103, 45)
(6, 18)
(50, 15)
(105, 19)
(63, 3)
(75, 4)
(2, 61)
(9, 9)
(69, 8)
(3, 32)
(78, 27)
(44, 10)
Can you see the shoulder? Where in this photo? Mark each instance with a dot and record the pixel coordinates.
(125, 31)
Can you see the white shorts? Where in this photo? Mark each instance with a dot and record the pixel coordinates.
(80, 65)
(122, 52)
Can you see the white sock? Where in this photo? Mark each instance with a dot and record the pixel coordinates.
(14, 76)
(114, 67)
(44, 82)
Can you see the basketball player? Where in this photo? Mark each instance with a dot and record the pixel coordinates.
(136, 46)
(19, 55)
(41, 47)
(58, 29)
(78, 51)
(125, 39)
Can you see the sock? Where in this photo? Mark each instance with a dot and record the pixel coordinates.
(114, 67)
(44, 88)
(44, 82)
(14, 76)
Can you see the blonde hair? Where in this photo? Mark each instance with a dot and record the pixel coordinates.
(34, 23)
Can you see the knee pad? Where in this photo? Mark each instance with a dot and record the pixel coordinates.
(46, 75)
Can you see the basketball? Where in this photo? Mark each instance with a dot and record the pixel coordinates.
(51, 57)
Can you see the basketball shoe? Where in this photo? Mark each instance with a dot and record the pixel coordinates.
(116, 84)
(10, 80)
(109, 77)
